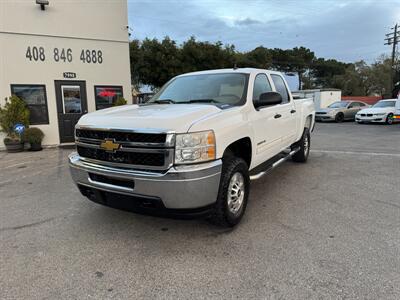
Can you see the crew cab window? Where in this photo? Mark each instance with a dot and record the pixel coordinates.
(281, 87)
(261, 85)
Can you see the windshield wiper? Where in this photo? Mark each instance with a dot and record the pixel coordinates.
(163, 101)
(203, 100)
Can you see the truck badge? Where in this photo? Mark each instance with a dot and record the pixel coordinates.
(109, 145)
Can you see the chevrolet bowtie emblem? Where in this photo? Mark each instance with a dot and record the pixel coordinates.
(109, 145)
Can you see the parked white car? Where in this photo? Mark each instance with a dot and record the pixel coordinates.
(381, 112)
(195, 146)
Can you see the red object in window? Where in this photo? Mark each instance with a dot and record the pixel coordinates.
(107, 93)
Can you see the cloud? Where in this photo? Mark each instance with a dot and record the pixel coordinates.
(246, 22)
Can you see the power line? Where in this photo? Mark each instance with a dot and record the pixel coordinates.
(392, 39)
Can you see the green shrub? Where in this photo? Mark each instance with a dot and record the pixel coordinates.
(120, 101)
(13, 112)
(12, 138)
(33, 135)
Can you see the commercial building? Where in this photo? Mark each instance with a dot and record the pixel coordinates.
(64, 59)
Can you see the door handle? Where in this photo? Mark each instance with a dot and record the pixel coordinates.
(292, 111)
(277, 116)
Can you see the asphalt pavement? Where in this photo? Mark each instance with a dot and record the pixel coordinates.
(327, 229)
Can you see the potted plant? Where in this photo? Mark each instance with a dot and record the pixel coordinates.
(120, 101)
(34, 137)
(13, 113)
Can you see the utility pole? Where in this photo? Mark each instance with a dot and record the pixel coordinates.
(393, 38)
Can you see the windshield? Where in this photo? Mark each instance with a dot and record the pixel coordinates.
(224, 88)
(385, 104)
(338, 104)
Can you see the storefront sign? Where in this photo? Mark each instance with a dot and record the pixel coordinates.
(69, 75)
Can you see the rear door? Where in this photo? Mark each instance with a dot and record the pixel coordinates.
(71, 105)
(286, 111)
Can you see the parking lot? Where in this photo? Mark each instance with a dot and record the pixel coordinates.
(328, 229)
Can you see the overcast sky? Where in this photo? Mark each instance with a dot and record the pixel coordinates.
(347, 30)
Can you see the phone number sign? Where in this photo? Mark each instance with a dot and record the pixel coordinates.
(66, 55)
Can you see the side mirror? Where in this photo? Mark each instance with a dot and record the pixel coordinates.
(268, 98)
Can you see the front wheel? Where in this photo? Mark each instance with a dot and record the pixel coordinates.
(233, 193)
(304, 144)
(339, 118)
(389, 119)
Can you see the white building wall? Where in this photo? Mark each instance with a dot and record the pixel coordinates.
(75, 25)
(328, 97)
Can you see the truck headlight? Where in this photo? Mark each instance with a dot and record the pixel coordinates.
(195, 147)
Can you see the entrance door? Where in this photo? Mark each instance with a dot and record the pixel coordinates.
(71, 105)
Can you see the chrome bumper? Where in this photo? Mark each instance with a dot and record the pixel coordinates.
(376, 119)
(181, 187)
(324, 118)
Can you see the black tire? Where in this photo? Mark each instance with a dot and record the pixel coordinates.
(389, 119)
(339, 118)
(222, 215)
(304, 144)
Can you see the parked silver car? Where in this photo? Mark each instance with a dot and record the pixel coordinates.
(340, 111)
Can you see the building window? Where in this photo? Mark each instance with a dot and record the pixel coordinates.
(106, 96)
(35, 98)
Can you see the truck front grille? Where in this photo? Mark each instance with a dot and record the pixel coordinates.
(120, 136)
(136, 150)
(130, 158)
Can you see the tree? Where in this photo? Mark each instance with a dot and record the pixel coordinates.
(198, 56)
(136, 60)
(323, 71)
(260, 57)
(154, 62)
(160, 61)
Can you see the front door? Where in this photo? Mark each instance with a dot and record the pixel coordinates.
(265, 123)
(71, 105)
(352, 109)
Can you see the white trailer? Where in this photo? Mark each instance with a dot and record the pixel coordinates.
(322, 97)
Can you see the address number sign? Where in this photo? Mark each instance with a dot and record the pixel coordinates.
(40, 54)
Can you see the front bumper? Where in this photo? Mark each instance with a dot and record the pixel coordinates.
(373, 119)
(324, 118)
(179, 188)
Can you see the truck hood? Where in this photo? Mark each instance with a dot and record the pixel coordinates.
(157, 117)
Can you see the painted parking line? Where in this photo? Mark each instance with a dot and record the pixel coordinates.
(356, 153)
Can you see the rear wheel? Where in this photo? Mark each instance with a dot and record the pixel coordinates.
(339, 117)
(233, 193)
(304, 144)
(389, 119)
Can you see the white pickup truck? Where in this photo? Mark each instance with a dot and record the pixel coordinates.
(195, 146)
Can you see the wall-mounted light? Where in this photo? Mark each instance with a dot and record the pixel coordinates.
(42, 3)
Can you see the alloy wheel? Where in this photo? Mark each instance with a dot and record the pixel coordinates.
(236, 193)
